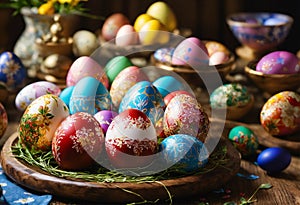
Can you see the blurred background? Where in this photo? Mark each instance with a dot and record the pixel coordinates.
(205, 18)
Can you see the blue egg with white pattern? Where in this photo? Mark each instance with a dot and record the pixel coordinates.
(89, 95)
(185, 152)
(167, 84)
(145, 97)
(12, 71)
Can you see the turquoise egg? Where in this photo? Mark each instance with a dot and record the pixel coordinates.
(89, 95)
(167, 84)
(244, 140)
(115, 65)
(66, 94)
(184, 152)
(12, 71)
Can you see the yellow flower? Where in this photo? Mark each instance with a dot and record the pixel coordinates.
(71, 2)
(46, 8)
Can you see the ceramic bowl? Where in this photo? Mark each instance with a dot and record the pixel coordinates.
(272, 83)
(260, 31)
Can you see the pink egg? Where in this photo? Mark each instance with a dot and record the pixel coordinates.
(218, 58)
(86, 66)
(126, 36)
(278, 62)
(190, 52)
(105, 117)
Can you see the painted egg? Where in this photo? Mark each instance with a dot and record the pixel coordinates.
(190, 52)
(171, 95)
(184, 115)
(40, 120)
(84, 43)
(131, 140)
(279, 62)
(218, 58)
(231, 95)
(146, 99)
(280, 115)
(126, 36)
(34, 90)
(86, 66)
(141, 20)
(115, 65)
(89, 95)
(12, 71)
(214, 46)
(274, 159)
(105, 117)
(164, 55)
(66, 94)
(124, 81)
(153, 32)
(244, 140)
(3, 120)
(112, 24)
(77, 141)
(167, 84)
(184, 152)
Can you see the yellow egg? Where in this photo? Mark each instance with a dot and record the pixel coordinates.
(153, 32)
(162, 12)
(141, 20)
(214, 46)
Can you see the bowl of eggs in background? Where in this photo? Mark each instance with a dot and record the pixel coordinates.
(258, 32)
(276, 71)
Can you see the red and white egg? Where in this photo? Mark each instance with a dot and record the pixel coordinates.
(131, 140)
(77, 142)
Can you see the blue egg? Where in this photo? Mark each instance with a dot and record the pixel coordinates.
(66, 94)
(167, 84)
(274, 159)
(89, 95)
(185, 152)
(12, 71)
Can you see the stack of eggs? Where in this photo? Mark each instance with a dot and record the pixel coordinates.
(116, 110)
(150, 27)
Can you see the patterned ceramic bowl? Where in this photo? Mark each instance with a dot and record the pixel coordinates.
(260, 31)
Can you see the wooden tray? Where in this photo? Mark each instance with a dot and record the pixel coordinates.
(185, 187)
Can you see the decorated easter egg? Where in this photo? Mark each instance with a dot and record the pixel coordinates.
(141, 20)
(218, 58)
(105, 117)
(274, 159)
(163, 12)
(86, 66)
(280, 115)
(167, 84)
(12, 71)
(115, 65)
(77, 141)
(112, 24)
(146, 99)
(230, 95)
(214, 46)
(184, 115)
(171, 95)
(3, 120)
(184, 152)
(153, 32)
(244, 140)
(124, 81)
(34, 90)
(164, 55)
(66, 94)
(131, 140)
(190, 52)
(84, 43)
(40, 120)
(89, 95)
(279, 62)
(126, 36)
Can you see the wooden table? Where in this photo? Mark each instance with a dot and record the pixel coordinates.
(285, 186)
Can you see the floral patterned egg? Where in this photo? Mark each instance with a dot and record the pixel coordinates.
(184, 115)
(86, 66)
(77, 141)
(280, 115)
(184, 152)
(131, 140)
(164, 55)
(170, 96)
(12, 71)
(40, 120)
(244, 140)
(3, 120)
(124, 81)
(33, 91)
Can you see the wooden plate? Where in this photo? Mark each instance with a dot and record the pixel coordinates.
(185, 187)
